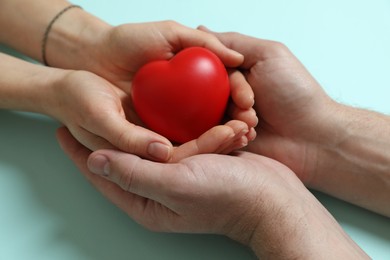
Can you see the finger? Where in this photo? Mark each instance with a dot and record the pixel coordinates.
(79, 155)
(251, 135)
(76, 152)
(189, 38)
(90, 140)
(209, 142)
(248, 116)
(239, 140)
(219, 139)
(253, 49)
(236, 145)
(132, 204)
(134, 139)
(72, 147)
(135, 175)
(241, 92)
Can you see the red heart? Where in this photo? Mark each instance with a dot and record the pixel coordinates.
(183, 97)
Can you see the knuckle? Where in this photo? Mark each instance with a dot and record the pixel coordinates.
(126, 181)
(170, 23)
(128, 141)
(278, 48)
(234, 34)
(127, 178)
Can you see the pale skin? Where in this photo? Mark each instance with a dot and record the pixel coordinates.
(97, 107)
(328, 146)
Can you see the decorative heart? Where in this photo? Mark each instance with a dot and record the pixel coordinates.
(183, 97)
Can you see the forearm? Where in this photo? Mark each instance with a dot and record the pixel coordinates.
(25, 86)
(303, 229)
(23, 25)
(356, 167)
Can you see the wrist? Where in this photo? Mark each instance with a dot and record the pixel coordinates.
(272, 209)
(325, 134)
(301, 228)
(279, 231)
(73, 40)
(355, 163)
(335, 131)
(43, 86)
(26, 86)
(49, 98)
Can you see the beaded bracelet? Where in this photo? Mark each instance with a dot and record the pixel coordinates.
(47, 31)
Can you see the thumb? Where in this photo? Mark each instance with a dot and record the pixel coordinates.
(141, 177)
(189, 37)
(231, 40)
(135, 139)
(253, 49)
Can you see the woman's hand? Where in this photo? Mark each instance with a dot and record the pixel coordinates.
(116, 54)
(100, 115)
(80, 41)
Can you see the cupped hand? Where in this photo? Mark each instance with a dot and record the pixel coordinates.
(100, 115)
(122, 50)
(250, 198)
(294, 110)
(116, 54)
(200, 194)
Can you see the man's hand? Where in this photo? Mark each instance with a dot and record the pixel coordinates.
(252, 199)
(293, 108)
(339, 150)
(100, 115)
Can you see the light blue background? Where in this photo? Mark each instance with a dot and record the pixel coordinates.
(49, 211)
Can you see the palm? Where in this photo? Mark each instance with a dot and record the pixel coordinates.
(288, 103)
(89, 106)
(122, 51)
(123, 56)
(201, 178)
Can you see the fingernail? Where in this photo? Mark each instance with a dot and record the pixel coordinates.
(243, 132)
(159, 151)
(244, 142)
(99, 164)
(252, 98)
